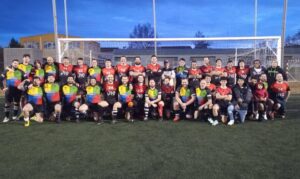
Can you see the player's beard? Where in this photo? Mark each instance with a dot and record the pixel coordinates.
(136, 63)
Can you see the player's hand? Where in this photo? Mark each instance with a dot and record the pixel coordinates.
(4, 90)
(201, 107)
(183, 105)
(30, 86)
(154, 105)
(130, 86)
(240, 100)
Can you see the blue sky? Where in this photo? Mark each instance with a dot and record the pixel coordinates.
(175, 18)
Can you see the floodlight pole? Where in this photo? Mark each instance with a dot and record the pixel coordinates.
(255, 26)
(154, 26)
(66, 25)
(66, 19)
(55, 29)
(283, 31)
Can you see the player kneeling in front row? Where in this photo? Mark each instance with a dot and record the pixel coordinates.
(203, 102)
(94, 100)
(34, 94)
(280, 94)
(125, 100)
(241, 98)
(260, 101)
(153, 101)
(167, 95)
(185, 97)
(223, 98)
(139, 90)
(72, 101)
(53, 98)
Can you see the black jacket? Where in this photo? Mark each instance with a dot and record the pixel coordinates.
(244, 93)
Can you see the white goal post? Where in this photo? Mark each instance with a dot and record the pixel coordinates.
(253, 43)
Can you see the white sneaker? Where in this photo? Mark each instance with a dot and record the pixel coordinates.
(215, 123)
(210, 120)
(257, 116)
(15, 118)
(231, 122)
(265, 117)
(5, 120)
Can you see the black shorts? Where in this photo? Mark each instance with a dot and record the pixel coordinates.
(139, 103)
(223, 106)
(94, 107)
(189, 109)
(37, 108)
(13, 95)
(68, 109)
(50, 106)
(168, 102)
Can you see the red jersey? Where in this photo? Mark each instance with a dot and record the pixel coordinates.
(64, 72)
(206, 69)
(243, 73)
(108, 71)
(223, 91)
(194, 71)
(110, 92)
(211, 87)
(167, 92)
(81, 74)
(122, 70)
(139, 91)
(261, 93)
(136, 68)
(280, 89)
(153, 67)
(219, 69)
(230, 72)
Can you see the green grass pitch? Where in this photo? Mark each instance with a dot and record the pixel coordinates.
(152, 149)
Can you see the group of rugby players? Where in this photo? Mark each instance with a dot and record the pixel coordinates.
(220, 93)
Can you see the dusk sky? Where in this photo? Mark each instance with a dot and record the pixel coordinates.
(175, 18)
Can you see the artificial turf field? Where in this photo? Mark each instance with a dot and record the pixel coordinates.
(152, 149)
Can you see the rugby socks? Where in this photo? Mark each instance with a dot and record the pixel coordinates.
(6, 110)
(16, 110)
(77, 115)
(57, 117)
(146, 110)
(176, 112)
(160, 110)
(114, 114)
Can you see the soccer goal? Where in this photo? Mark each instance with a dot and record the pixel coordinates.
(264, 48)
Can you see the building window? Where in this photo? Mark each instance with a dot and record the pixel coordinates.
(49, 45)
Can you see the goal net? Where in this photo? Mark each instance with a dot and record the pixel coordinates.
(172, 49)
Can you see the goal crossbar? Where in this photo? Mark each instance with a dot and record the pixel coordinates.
(67, 40)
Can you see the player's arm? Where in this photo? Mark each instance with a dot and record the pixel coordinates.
(219, 96)
(193, 97)
(24, 85)
(147, 100)
(209, 99)
(177, 97)
(228, 97)
(158, 98)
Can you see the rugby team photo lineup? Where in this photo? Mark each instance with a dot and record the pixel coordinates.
(217, 94)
